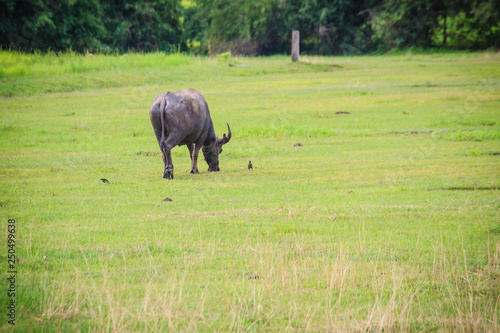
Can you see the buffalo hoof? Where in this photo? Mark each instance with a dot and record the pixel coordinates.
(195, 171)
(169, 173)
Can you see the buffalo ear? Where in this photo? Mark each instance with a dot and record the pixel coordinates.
(223, 140)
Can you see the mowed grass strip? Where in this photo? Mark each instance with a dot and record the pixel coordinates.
(364, 226)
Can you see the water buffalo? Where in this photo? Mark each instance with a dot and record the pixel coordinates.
(182, 118)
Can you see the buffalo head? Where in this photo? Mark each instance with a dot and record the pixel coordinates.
(211, 152)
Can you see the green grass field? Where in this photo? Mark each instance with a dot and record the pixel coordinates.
(385, 219)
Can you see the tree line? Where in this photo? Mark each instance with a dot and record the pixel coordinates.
(256, 27)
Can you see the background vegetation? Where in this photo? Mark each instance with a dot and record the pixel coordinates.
(259, 27)
(385, 219)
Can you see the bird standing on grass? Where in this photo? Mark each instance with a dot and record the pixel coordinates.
(250, 165)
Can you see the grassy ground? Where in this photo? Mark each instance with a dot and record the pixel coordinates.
(387, 218)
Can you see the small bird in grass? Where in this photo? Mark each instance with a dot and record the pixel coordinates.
(167, 199)
(104, 180)
(250, 166)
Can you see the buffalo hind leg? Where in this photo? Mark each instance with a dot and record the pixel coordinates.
(169, 167)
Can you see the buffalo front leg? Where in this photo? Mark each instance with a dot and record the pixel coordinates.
(169, 167)
(193, 153)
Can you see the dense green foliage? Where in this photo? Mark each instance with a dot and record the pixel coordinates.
(248, 27)
(142, 25)
(83, 25)
(455, 23)
(264, 26)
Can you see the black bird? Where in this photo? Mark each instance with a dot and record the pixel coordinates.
(167, 199)
(104, 180)
(250, 165)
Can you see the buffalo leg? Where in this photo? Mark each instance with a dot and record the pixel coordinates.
(169, 168)
(193, 153)
(196, 151)
(164, 158)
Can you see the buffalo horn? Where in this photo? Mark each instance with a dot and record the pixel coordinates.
(225, 139)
